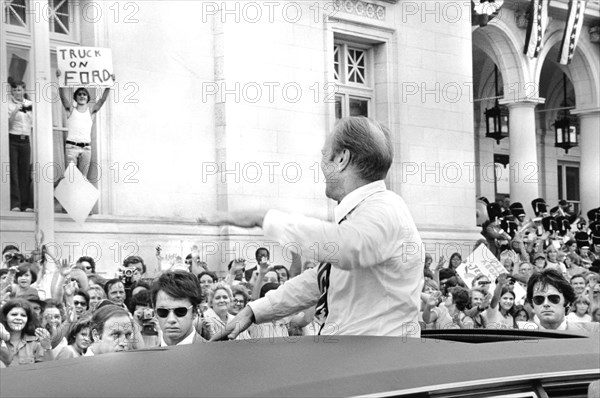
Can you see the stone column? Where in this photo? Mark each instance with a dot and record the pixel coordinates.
(524, 166)
(42, 130)
(589, 169)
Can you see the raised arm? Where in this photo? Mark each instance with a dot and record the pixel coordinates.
(497, 291)
(102, 99)
(63, 95)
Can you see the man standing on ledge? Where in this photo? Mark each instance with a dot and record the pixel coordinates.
(371, 272)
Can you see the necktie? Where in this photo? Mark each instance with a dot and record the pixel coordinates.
(322, 311)
(323, 272)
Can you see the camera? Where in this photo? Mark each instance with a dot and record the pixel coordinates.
(26, 108)
(148, 328)
(147, 314)
(126, 275)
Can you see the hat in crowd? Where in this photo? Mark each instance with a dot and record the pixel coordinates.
(484, 199)
(564, 225)
(563, 203)
(539, 255)
(539, 206)
(582, 239)
(549, 224)
(510, 227)
(595, 228)
(31, 294)
(507, 215)
(594, 215)
(517, 209)
(494, 211)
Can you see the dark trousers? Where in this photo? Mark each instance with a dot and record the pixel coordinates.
(21, 194)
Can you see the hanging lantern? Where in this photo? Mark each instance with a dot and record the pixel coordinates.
(565, 127)
(496, 118)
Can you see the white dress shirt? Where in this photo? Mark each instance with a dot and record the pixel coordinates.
(377, 261)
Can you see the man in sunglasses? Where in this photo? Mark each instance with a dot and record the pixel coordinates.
(176, 296)
(550, 295)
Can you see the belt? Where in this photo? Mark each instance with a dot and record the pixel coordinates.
(19, 137)
(79, 144)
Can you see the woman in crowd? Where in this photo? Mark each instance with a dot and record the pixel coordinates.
(96, 294)
(552, 261)
(455, 261)
(284, 274)
(580, 309)
(208, 280)
(450, 313)
(53, 320)
(112, 330)
(219, 300)
(240, 299)
(26, 342)
(78, 340)
(521, 314)
(81, 302)
(87, 264)
(24, 278)
(499, 314)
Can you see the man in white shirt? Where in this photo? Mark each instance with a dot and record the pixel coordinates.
(371, 272)
(176, 296)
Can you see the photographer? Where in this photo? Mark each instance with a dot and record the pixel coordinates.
(20, 122)
(140, 306)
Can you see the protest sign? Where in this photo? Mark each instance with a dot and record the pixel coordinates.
(84, 66)
(483, 262)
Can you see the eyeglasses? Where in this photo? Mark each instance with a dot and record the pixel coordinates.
(539, 300)
(238, 301)
(81, 303)
(179, 312)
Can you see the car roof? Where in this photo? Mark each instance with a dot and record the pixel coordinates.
(302, 366)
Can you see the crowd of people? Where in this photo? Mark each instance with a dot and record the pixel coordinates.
(370, 286)
(556, 243)
(80, 313)
(77, 312)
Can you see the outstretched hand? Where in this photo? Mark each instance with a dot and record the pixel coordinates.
(241, 322)
(246, 219)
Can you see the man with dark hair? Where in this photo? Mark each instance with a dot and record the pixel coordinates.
(138, 263)
(371, 273)
(176, 296)
(550, 295)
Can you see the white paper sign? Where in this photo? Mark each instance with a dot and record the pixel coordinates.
(84, 66)
(483, 262)
(76, 195)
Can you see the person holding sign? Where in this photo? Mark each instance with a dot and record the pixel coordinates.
(80, 119)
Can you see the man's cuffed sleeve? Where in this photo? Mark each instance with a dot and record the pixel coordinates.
(290, 298)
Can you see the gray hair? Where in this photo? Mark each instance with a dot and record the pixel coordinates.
(369, 143)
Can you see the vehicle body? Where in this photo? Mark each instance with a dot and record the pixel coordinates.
(493, 364)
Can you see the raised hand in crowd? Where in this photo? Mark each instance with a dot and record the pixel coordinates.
(237, 267)
(263, 268)
(44, 338)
